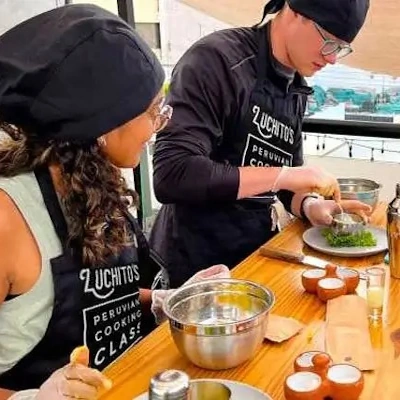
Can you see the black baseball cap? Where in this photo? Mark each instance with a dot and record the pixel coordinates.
(341, 18)
(75, 73)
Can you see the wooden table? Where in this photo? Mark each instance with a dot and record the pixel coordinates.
(267, 371)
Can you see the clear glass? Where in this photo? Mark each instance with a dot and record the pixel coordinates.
(375, 291)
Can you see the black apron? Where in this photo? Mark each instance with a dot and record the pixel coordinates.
(98, 307)
(268, 135)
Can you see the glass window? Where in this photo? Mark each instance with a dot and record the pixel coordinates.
(150, 32)
(347, 93)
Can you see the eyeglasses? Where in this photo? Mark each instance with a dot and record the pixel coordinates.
(332, 46)
(161, 116)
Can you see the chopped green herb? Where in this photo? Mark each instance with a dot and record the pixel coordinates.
(361, 239)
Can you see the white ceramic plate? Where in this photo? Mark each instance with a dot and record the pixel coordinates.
(313, 237)
(240, 391)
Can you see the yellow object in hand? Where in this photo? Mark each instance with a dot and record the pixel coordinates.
(80, 355)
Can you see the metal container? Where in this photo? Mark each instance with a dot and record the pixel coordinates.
(347, 224)
(393, 234)
(219, 324)
(169, 385)
(364, 190)
(205, 389)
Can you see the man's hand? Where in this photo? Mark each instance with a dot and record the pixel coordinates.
(308, 179)
(320, 211)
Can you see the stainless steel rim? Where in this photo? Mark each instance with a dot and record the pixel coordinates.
(375, 186)
(194, 326)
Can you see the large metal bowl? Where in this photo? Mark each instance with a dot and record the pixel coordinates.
(364, 190)
(219, 324)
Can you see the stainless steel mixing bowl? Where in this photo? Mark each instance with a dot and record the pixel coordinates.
(219, 324)
(364, 190)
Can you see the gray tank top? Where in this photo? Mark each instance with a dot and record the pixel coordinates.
(24, 319)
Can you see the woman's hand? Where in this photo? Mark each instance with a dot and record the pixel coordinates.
(218, 271)
(158, 296)
(76, 380)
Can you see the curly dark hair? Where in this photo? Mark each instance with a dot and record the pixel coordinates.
(96, 199)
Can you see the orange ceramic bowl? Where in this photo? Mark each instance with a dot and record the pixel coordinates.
(303, 363)
(351, 277)
(329, 288)
(346, 382)
(310, 279)
(303, 386)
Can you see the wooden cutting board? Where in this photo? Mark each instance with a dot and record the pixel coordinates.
(347, 336)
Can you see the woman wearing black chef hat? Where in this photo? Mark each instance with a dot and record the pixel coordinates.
(234, 144)
(79, 98)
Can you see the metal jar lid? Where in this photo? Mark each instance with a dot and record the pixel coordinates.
(169, 385)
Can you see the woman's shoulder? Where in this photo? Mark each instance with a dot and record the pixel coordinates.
(17, 192)
(8, 215)
(12, 221)
(8, 236)
(17, 195)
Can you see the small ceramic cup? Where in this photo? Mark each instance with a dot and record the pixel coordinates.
(310, 279)
(346, 382)
(310, 361)
(304, 363)
(303, 386)
(351, 277)
(329, 288)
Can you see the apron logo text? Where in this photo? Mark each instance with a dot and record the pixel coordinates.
(259, 153)
(268, 126)
(112, 327)
(101, 282)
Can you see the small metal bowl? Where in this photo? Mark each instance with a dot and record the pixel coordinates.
(364, 190)
(220, 323)
(347, 224)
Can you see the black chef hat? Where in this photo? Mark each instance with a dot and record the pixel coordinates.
(75, 73)
(341, 18)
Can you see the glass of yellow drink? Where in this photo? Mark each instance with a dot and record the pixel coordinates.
(375, 291)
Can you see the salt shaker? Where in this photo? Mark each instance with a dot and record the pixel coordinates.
(169, 385)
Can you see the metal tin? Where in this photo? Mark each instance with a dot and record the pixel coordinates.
(393, 234)
(169, 385)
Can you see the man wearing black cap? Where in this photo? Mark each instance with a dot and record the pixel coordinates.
(234, 145)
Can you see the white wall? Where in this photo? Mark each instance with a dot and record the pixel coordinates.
(181, 26)
(12, 12)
